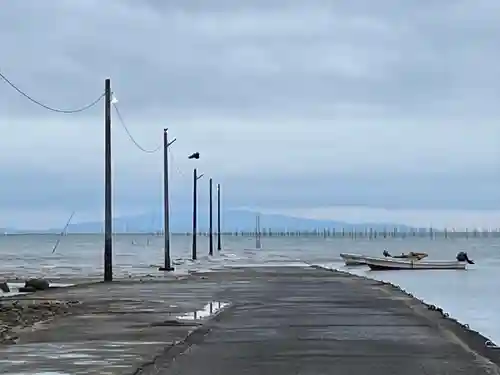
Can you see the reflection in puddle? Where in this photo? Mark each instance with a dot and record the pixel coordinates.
(207, 311)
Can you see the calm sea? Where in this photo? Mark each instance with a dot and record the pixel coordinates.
(470, 296)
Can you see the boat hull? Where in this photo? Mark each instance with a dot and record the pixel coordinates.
(353, 259)
(380, 264)
(359, 260)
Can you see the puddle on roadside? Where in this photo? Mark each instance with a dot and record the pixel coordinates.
(210, 309)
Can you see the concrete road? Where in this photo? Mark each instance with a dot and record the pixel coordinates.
(307, 321)
(285, 320)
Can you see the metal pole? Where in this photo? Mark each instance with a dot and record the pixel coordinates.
(195, 181)
(219, 246)
(166, 205)
(108, 213)
(210, 221)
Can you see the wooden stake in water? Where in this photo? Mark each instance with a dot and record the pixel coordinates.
(257, 232)
(63, 232)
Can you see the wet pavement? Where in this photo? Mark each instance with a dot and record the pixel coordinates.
(287, 320)
(118, 327)
(308, 321)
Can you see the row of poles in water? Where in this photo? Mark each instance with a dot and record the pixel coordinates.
(368, 233)
(351, 234)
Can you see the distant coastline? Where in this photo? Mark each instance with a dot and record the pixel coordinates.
(422, 233)
(242, 223)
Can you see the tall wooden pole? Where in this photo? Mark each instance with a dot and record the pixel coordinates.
(108, 198)
(210, 221)
(195, 214)
(219, 244)
(166, 204)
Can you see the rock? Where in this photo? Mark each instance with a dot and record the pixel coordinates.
(27, 289)
(38, 284)
(4, 287)
(10, 340)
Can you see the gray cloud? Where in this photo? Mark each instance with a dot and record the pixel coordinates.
(258, 58)
(282, 94)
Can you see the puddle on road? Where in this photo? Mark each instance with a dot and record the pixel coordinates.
(210, 309)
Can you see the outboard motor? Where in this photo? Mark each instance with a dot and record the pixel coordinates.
(463, 257)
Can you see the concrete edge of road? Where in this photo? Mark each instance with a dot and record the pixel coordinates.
(460, 333)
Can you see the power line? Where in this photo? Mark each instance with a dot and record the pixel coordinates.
(31, 99)
(120, 118)
(182, 174)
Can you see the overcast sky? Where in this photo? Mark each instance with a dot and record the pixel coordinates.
(295, 106)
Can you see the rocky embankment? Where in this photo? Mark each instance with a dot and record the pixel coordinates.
(21, 313)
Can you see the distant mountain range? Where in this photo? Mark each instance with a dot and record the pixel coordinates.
(231, 221)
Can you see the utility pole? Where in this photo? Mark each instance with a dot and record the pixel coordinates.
(108, 209)
(195, 207)
(219, 246)
(210, 221)
(166, 203)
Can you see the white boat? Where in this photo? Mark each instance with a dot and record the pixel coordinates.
(353, 259)
(358, 259)
(382, 264)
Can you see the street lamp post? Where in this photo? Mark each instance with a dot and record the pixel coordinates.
(210, 221)
(195, 212)
(219, 245)
(196, 156)
(108, 189)
(166, 204)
